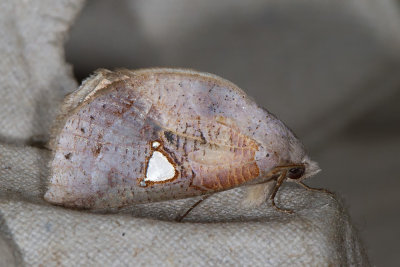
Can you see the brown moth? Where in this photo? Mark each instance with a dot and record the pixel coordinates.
(127, 137)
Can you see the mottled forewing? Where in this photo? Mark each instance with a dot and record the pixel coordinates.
(202, 124)
(101, 150)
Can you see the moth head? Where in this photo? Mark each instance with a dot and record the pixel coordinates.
(296, 173)
(307, 169)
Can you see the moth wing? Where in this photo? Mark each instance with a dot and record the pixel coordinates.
(101, 147)
(217, 153)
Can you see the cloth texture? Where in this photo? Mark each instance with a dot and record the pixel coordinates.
(220, 231)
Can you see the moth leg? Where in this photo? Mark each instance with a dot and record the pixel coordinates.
(181, 217)
(278, 184)
(316, 189)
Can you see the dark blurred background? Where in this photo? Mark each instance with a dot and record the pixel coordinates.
(329, 69)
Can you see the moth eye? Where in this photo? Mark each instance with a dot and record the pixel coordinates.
(296, 173)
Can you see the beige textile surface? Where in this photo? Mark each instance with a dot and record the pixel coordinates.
(221, 231)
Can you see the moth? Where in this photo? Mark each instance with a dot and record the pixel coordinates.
(127, 137)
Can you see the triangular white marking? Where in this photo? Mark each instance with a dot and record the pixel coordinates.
(159, 168)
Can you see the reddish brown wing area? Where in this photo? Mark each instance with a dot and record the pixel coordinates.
(223, 158)
(230, 169)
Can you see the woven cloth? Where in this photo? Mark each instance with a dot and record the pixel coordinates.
(220, 231)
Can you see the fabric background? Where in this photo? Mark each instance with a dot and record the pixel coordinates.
(221, 231)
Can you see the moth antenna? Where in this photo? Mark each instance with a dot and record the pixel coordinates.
(316, 189)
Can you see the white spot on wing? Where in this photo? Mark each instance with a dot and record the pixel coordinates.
(155, 144)
(159, 168)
